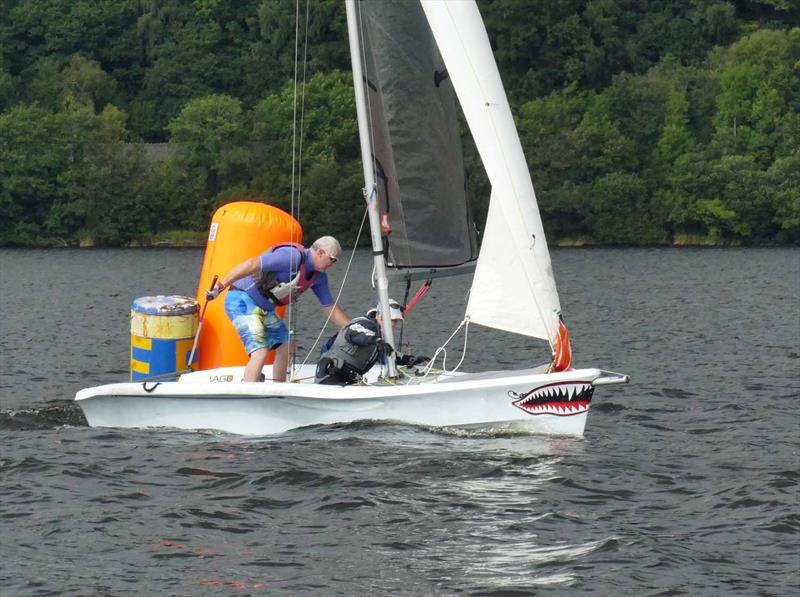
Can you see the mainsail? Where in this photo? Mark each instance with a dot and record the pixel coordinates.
(513, 288)
(419, 165)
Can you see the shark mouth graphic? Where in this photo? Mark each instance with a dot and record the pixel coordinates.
(563, 399)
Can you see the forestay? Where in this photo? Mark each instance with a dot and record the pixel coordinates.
(513, 289)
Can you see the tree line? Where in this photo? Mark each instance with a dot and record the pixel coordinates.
(643, 122)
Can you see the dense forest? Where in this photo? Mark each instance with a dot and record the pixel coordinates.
(643, 121)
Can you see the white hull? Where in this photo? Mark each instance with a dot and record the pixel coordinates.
(526, 401)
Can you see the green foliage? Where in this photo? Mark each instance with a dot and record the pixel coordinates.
(737, 183)
(77, 81)
(638, 105)
(619, 210)
(782, 185)
(101, 31)
(176, 199)
(44, 84)
(717, 218)
(676, 138)
(328, 136)
(7, 87)
(84, 83)
(642, 122)
(332, 202)
(29, 164)
(207, 136)
(67, 175)
(759, 87)
(325, 24)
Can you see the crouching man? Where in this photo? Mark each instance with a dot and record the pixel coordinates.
(357, 347)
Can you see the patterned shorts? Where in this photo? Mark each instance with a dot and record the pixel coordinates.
(257, 328)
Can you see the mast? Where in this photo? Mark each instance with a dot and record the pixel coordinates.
(370, 188)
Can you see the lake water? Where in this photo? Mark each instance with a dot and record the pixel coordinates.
(685, 483)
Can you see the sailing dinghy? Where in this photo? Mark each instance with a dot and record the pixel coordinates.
(409, 60)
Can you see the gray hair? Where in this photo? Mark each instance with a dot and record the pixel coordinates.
(328, 244)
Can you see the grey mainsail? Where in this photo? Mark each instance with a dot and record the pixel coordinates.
(419, 164)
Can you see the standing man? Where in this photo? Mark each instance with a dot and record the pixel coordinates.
(276, 277)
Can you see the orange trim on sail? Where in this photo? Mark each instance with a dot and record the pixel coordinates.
(562, 351)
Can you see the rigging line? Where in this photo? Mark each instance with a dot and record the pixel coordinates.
(429, 366)
(405, 309)
(341, 289)
(294, 101)
(504, 160)
(293, 307)
(423, 290)
(464, 350)
(290, 315)
(302, 115)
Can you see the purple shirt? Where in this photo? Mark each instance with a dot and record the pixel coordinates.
(283, 261)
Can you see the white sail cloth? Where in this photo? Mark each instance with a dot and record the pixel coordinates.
(513, 289)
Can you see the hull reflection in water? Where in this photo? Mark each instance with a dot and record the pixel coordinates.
(529, 401)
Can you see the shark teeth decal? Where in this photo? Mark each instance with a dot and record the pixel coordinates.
(563, 399)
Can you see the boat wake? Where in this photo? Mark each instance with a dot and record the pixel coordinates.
(66, 414)
(508, 430)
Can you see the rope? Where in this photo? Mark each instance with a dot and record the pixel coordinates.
(294, 105)
(399, 346)
(465, 324)
(297, 153)
(338, 295)
(423, 290)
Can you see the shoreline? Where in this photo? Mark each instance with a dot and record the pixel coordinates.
(558, 244)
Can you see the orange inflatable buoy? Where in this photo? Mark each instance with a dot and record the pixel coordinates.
(238, 231)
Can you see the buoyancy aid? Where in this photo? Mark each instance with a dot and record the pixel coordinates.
(282, 293)
(346, 359)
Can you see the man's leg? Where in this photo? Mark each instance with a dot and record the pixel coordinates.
(252, 372)
(280, 363)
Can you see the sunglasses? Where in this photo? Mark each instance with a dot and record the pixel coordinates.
(328, 255)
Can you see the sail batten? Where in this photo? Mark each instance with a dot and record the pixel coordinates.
(513, 288)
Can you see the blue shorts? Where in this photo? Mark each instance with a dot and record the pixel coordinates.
(257, 328)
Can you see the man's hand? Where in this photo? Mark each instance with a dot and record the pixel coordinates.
(214, 292)
(384, 347)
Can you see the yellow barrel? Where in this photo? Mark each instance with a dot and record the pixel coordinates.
(239, 231)
(162, 334)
